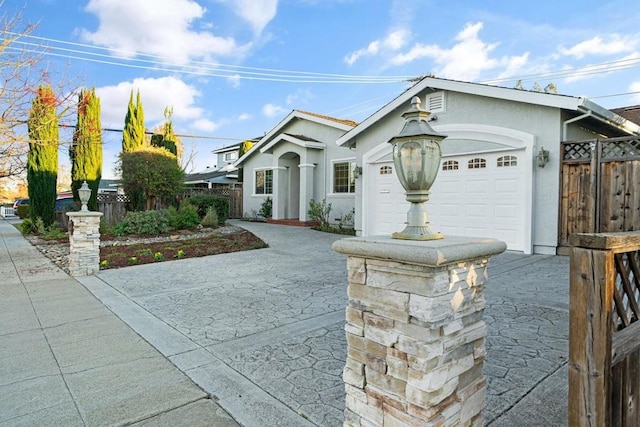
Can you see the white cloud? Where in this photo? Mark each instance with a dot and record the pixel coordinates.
(258, 13)
(615, 44)
(244, 117)
(234, 81)
(160, 27)
(301, 96)
(466, 60)
(155, 94)
(394, 41)
(271, 110)
(205, 125)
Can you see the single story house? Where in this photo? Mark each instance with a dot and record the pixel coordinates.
(297, 161)
(500, 168)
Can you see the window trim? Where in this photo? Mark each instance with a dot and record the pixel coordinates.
(230, 156)
(507, 161)
(332, 178)
(481, 164)
(450, 165)
(255, 181)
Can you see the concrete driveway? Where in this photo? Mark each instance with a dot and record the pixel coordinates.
(262, 331)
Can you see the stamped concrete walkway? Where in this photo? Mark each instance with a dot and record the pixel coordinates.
(67, 360)
(262, 331)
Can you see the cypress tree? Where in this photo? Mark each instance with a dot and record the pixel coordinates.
(168, 139)
(42, 159)
(86, 150)
(133, 133)
(133, 139)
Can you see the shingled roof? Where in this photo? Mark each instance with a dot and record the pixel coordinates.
(631, 113)
(334, 119)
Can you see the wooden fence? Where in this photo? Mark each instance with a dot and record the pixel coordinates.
(113, 206)
(600, 187)
(604, 332)
(233, 193)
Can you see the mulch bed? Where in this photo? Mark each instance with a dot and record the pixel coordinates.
(124, 255)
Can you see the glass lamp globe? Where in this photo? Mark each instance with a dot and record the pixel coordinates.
(416, 156)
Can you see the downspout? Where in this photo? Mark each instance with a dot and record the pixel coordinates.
(565, 124)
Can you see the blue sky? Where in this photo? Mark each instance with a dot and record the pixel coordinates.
(234, 68)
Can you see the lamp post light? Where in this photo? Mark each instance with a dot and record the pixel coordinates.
(84, 192)
(416, 156)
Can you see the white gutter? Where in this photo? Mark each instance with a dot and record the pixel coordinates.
(575, 119)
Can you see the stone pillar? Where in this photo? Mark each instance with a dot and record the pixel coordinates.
(415, 334)
(84, 243)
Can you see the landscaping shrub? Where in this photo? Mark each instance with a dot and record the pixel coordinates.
(319, 211)
(266, 208)
(27, 226)
(23, 211)
(186, 216)
(204, 202)
(145, 222)
(210, 219)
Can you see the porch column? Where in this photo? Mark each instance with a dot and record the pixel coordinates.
(415, 333)
(280, 191)
(306, 189)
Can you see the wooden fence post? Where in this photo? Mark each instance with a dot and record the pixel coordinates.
(591, 296)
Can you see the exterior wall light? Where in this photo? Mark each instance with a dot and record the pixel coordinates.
(542, 157)
(357, 171)
(416, 156)
(84, 192)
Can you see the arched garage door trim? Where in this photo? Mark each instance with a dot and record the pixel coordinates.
(509, 138)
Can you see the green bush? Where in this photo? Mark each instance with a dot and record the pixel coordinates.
(145, 222)
(27, 226)
(266, 208)
(319, 211)
(210, 219)
(23, 211)
(184, 217)
(204, 202)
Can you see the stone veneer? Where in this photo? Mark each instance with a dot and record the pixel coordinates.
(415, 334)
(84, 243)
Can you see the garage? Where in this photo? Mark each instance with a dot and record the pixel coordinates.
(482, 194)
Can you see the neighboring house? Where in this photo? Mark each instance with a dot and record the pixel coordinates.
(631, 113)
(211, 178)
(227, 156)
(489, 184)
(223, 174)
(297, 161)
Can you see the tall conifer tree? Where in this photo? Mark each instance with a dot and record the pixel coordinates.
(42, 159)
(86, 150)
(133, 134)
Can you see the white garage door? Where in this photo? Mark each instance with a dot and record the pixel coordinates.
(480, 195)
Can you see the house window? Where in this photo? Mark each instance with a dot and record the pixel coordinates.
(231, 156)
(386, 170)
(450, 165)
(506, 161)
(264, 181)
(435, 102)
(477, 163)
(344, 180)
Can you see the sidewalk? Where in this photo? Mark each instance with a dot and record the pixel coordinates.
(66, 359)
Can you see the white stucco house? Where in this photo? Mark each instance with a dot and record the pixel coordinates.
(490, 183)
(299, 160)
